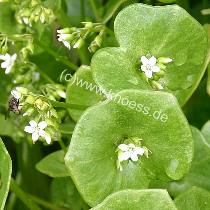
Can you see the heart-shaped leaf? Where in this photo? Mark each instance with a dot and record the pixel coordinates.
(5, 174)
(194, 199)
(143, 30)
(53, 165)
(82, 90)
(153, 117)
(137, 200)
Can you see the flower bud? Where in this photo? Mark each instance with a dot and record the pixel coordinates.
(22, 90)
(157, 85)
(79, 43)
(30, 99)
(164, 60)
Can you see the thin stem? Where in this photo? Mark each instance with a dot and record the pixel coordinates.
(23, 196)
(95, 10)
(62, 145)
(114, 8)
(82, 6)
(67, 105)
(58, 57)
(45, 204)
(45, 76)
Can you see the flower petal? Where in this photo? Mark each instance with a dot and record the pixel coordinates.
(42, 125)
(16, 94)
(148, 74)
(29, 129)
(8, 69)
(155, 68)
(139, 150)
(152, 61)
(14, 56)
(67, 44)
(48, 138)
(123, 147)
(144, 60)
(5, 64)
(123, 156)
(2, 57)
(35, 136)
(42, 133)
(133, 156)
(33, 123)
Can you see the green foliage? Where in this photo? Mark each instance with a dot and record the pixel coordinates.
(53, 165)
(91, 158)
(105, 128)
(194, 198)
(142, 30)
(5, 174)
(65, 194)
(137, 200)
(82, 90)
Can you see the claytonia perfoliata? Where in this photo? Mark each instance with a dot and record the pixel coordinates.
(8, 63)
(37, 130)
(149, 66)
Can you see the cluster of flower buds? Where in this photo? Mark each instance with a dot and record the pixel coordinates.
(38, 109)
(75, 37)
(32, 11)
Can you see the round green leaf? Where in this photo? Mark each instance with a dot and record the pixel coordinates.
(200, 167)
(5, 174)
(137, 200)
(82, 90)
(167, 31)
(194, 199)
(91, 158)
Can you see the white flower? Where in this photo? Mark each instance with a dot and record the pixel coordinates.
(37, 130)
(149, 66)
(129, 151)
(16, 93)
(8, 63)
(62, 38)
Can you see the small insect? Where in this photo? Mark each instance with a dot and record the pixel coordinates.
(13, 106)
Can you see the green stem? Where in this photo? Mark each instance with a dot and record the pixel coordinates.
(58, 57)
(82, 6)
(67, 105)
(95, 10)
(62, 145)
(45, 76)
(23, 196)
(114, 8)
(45, 204)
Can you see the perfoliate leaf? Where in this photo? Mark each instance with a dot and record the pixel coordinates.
(154, 117)
(137, 200)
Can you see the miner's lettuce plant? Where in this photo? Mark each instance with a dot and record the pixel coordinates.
(104, 105)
